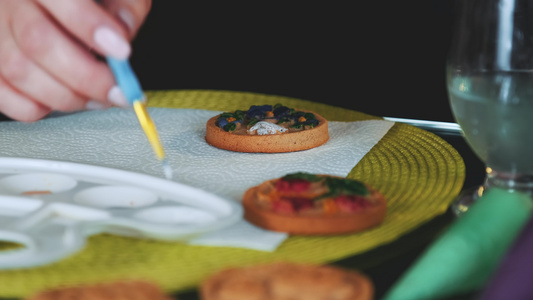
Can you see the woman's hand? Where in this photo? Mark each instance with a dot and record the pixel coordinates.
(50, 53)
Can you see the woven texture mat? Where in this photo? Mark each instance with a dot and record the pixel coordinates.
(417, 171)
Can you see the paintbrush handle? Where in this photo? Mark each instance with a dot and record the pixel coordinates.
(126, 80)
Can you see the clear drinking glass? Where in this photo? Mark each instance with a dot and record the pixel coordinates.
(490, 86)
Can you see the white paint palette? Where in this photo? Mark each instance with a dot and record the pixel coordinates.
(51, 207)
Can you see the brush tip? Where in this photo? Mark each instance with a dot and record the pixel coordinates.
(167, 170)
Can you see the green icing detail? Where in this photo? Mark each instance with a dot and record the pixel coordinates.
(309, 116)
(346, 186)
(302, 176)
(297, 125)
(253, 122)
(230, 127)
(336, 186)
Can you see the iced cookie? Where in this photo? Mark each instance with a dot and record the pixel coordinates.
(287, 281)
(120, 290)
(267, 129)
(309, 204)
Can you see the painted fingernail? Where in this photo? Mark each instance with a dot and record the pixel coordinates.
(116, 97)
(112, 43)
(127, 18)
(95, 105)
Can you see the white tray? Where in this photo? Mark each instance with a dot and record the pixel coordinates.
(76, 201)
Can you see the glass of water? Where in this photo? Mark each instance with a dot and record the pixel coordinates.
(490, 86)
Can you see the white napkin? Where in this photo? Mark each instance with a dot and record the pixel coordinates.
(113, 138)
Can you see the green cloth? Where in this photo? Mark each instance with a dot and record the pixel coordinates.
(465, 256)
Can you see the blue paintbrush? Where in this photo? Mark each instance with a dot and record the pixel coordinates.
(130, 86)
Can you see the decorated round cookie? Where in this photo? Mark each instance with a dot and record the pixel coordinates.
(309, 204)
(284, 280)
(267, 129)
(116, 290)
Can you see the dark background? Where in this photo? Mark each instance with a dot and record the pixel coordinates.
(385, 58)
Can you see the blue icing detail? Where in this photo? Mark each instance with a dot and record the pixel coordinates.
(281, 111)
(297, 114)
(311, 122)
(222, 122)
(258, 110)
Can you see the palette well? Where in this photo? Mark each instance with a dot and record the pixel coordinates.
(50, 208)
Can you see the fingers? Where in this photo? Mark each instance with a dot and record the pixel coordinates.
(47, 53)
(91, 24)
(131, 13)
(23, 75)
(60, 59)
(18, 107)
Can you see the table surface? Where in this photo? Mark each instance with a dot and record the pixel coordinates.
(385, 264)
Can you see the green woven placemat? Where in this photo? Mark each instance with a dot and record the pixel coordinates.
(418, 172)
